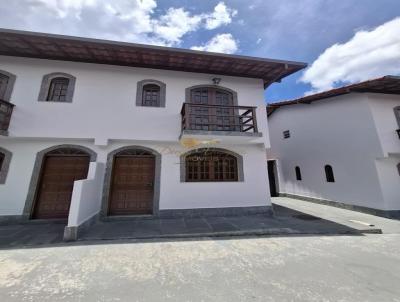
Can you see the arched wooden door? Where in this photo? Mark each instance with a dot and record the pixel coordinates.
(132, 183)
(60, 169)
(215, 111)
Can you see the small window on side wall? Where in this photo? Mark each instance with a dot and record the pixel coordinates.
(329, 174)
(57, 87)
(298, 173)
(286, 134)
(150, 93)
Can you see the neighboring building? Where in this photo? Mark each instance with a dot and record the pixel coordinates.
(340, 147)
(97, 127)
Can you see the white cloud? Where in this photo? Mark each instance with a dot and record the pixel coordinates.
(222, 15)
(126, 20)
(176, 23)
(369, 54)
(224, 43)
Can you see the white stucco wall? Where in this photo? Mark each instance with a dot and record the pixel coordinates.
(343, 133)
(103, 116)
(86, 196)
(103, 105)
(173, 193)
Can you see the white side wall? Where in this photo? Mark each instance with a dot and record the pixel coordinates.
(173, 193)
(86, 196)
(341, 132)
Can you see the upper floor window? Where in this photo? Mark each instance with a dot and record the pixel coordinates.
(329, 174)
(5, 158)
(58, 90)
(150, 93)
(7, 81)
(211, 165)
(57, 87)
(298, 173)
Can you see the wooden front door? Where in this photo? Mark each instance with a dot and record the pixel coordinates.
(56, 184)
(132, 185)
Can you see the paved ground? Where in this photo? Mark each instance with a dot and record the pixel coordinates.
(285, 222)
(323, 268)
(352, 219)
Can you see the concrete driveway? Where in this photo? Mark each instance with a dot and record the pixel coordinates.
(331, 268)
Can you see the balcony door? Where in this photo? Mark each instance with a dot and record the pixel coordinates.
(215, 110)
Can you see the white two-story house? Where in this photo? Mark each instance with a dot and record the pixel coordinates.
(99, 129)
(340, 147)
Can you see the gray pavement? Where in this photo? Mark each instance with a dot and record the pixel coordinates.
(351, 219)
(286, 221)
(318, 268)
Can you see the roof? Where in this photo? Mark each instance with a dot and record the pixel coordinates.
(67, 48)
(387, 85)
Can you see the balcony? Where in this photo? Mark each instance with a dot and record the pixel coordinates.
(6, 110)
(215, 122)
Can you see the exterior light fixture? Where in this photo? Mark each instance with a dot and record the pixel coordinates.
(216, 81)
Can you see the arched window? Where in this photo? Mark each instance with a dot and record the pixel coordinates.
(57, 87)
(7, 81)
(150, 93)
(58, 90)
(329, 174)
(211, 165)
(298, 173)
(5, 159)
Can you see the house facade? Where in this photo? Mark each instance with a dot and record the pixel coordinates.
(97, 129)
(340, 147)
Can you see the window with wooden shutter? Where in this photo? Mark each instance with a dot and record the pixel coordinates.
(207, 165)
(58, 90)
(151, 95)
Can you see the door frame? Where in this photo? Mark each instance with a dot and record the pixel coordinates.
(37, 171)
(273, 178)
(105, 200)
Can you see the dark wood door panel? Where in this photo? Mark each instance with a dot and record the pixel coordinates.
(132, 187)
(57, 183)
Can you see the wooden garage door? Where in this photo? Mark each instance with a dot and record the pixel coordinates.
(56, 185)
(132, 186)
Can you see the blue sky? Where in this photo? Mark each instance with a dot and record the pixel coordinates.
(343, 41)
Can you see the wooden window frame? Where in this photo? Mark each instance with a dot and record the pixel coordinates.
(210, 168)
(10, 85)
(46, 84)
(51, 95)
(152, 89)
(140, 93)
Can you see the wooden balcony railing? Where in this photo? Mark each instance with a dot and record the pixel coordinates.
(6, 110)
(219, 118)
